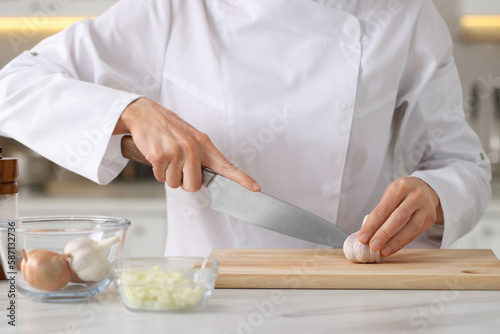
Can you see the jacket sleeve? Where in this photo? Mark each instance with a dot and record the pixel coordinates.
(438, 146)
(64, 97)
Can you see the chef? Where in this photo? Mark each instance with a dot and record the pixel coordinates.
(343, 108)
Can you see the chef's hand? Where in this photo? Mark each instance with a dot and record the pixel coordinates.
(408, 207)
(175, 149)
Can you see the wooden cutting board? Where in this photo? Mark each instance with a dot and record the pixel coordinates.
(458, 269)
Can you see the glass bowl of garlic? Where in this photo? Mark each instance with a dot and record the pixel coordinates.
(165, 283)
(61, 259)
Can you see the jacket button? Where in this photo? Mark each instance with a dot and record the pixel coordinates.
(34, 53)
(351, 30)
(343, 106)
(328, 190)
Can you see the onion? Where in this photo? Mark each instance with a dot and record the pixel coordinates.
(45, 270)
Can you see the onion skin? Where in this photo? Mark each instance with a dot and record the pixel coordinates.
(358, 252)
(45, 270)
(74, 277)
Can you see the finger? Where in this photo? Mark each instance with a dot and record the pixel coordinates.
(230, 171)
(216, 161)
(159, 172)
(396, 220)
(174, 174)
(409, 232)
(391, 199)
(191, 176)
(154, 152)
(154, 157)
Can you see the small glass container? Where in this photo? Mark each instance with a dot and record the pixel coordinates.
(165, 283)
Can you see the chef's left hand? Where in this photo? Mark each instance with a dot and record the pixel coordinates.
(408, 207)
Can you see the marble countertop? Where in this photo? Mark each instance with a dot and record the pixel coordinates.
(271, 311)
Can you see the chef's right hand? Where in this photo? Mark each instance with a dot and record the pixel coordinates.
(175, 149)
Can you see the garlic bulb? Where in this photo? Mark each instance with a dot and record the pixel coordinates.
(358, 252)
(89, 261)
(45, 270)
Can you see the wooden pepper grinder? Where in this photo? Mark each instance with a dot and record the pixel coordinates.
(9, 172)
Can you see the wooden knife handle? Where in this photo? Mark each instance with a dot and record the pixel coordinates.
(130, 151)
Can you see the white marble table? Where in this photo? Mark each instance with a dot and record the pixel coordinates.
(271, 311)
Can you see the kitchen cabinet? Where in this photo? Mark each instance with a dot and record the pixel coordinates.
(148, 229)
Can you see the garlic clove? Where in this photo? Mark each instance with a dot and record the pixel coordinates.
(45, 270)
(89, 260)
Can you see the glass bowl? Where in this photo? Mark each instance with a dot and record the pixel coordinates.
(165, 283)
(52, 234)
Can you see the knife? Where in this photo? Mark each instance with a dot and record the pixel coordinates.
(257, 208)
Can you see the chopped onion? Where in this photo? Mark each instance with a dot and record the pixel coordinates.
(159, 288)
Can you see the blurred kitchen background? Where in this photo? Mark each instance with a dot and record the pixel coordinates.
(46, 189)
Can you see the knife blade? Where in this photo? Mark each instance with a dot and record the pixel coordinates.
(258, 208)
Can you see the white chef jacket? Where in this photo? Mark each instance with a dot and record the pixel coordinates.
(324, 103)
